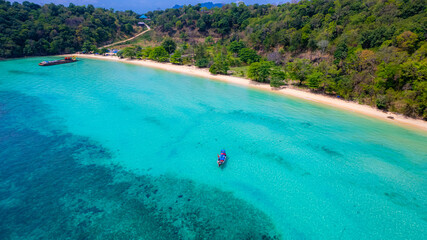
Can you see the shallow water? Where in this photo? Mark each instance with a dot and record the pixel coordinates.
(107, 150)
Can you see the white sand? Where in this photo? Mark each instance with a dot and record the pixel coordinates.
(415, 124)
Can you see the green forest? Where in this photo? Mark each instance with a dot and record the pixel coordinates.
(370, 51)
(29, 29)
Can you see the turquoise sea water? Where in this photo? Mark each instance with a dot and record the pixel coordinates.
(106, 150)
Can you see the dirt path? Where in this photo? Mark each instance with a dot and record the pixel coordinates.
(137, 35)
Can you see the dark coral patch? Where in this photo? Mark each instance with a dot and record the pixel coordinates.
(52, 186)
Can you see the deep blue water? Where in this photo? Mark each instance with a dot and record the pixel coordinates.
(104, 150)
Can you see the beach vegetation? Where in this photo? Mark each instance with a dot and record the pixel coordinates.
(145, 52)
(314, 79)
(176, 57)
(220, 64)
(88, 46)
(299, 70)
(236, 46)
(260, 71)
(277, 77)
(130, 52)
(169, 45)
(201, 56)
(203, 62)
(241, 71)
(159, 54)
(248, 55)
(219, 67)
(103, 51)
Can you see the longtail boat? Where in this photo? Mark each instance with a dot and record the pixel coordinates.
(56, 62)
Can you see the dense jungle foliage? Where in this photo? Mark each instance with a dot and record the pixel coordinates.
(370, 51)
(29, 29)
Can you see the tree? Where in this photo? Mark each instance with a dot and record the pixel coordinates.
(296, 42)
(130, 52)
(277, 77)
(201, 56)
(169, 45)
(374, 38)
(407, 41)
(381, 102)
(236, 46)
(341, 51)
(159, 54)
(88, 47)
(209, 40)
(220, 65)
(314, 79)
(323, 44)
(176, 58)
(201, 25)
(103, 51)
(178, 24)
(145, 52)
(183, 36)
(260, 71)
(127, 28)
(120, 54)
(223, 26)
(248, 55)
(299, 69)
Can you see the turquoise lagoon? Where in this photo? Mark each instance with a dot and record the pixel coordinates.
(107, 150)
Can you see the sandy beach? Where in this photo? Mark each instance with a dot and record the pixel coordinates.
(415, 124)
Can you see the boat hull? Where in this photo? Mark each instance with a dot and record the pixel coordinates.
(220, 163)
(57, 62)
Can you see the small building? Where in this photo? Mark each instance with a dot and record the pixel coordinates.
(143, 17)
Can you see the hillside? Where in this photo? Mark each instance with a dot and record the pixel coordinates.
(370, 51)
(208, 5)
(29, 29)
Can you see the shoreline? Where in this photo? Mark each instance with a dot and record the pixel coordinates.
(415, 124)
